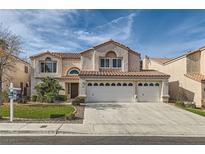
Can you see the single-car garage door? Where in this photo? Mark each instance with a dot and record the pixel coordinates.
(148, 92)
(110, 92)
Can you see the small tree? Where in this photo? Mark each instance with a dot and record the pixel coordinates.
(10, 46)
(48, 89)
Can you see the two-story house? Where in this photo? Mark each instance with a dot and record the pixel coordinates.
(187, 75)
(108, 72)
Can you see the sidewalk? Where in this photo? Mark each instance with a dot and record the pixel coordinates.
(61, 129)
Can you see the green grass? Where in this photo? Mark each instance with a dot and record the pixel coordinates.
(196, 111)
(37, 111)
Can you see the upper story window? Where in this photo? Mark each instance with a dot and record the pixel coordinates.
(111, 61)
(48, 66)
(26, 69)
(73, 71)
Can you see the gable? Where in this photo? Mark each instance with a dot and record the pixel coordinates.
(111, 44)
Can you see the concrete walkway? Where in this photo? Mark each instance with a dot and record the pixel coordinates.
(144, 119)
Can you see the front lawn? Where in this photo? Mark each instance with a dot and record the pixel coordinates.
(196, 111)
(37, 111)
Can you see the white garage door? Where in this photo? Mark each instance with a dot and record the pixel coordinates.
(110, 92)
(148, 92)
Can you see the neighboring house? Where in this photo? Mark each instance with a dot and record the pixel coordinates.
(19, 75)
(108, 72)
(187, 81)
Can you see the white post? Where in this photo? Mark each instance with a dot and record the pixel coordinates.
(11, 103)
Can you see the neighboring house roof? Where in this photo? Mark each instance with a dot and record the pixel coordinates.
(59, 55)
(19, 59)
(143, 73)
(108, 42)
(184, 55)
(161, 60)
(196, 76)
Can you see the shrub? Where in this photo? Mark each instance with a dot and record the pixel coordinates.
(50, 97)
(57, 115)
(22, 100)
(78, 100)
(180, 103)
(4, 96)
(62, 98)
(41, 99)
(34, 98)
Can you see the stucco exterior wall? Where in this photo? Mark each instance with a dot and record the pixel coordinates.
(36, 66)
(193, 63)
(180, 87)
(67, 64)
(202, 65)
(87, 61)
(91, 59)
(17, 75)
(133, 62)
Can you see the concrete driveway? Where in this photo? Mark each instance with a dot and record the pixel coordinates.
(142, 119)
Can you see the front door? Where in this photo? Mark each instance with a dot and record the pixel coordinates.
(74, 90)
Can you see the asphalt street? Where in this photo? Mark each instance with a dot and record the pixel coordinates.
(100, 140)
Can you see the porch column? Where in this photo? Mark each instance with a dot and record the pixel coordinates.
(164, 92)
(82, 87)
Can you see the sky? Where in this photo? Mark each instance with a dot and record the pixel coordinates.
(156, 33)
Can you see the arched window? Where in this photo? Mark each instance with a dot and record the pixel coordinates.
(140, 84)
(118, 84)
(101, 84)
(151, 84)
(157, 84)
(124, 84)
(130, 84)
(48, 65)
(107, 84)
(95, 84)
(113, 84)
(89, 84)
(73, 71)
(111, 54)
(146, 84)
(48, 59)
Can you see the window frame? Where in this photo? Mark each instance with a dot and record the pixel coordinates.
(109, 63)
(73, 69)
(44, 65)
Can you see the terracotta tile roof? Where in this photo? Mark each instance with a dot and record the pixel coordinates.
(161, 60)
(70, 77)
(114, 42)
(67, 77)
(196, 76)
(59, 55)
(143, 73)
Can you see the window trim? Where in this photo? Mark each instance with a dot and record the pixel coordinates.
(44, 62)
(73, 69)
(110, 61)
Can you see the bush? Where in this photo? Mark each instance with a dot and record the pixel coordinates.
(22, 100)
(41, 99)
(4, 97)
(34, 98)
(62, 98)
(180, 103)
(50, 97)
(78, 100)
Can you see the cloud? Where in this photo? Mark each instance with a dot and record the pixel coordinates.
(40, 29)
(119, 29)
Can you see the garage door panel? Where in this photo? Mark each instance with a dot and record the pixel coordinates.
(110, 93)
(148, 93)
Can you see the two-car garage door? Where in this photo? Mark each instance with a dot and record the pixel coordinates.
(123, 92)
(110, 92)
